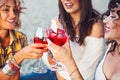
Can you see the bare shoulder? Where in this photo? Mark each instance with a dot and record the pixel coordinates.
(97, 29)
(55, 22)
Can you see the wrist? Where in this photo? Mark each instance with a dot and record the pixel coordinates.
(73, 70)
(10, 68)
(71, 62)
(19, 57)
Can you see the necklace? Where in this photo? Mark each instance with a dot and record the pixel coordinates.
(77, 38)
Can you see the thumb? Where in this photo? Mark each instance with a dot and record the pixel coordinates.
(52, 47)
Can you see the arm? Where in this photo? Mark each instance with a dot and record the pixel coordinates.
(97, 30)
(93, 51)
(59, 53)
(5, 77)
(25, 53)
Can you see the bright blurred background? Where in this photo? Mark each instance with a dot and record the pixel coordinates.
(39, 12)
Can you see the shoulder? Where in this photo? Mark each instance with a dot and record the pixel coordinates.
(19, 34)
(97, 29)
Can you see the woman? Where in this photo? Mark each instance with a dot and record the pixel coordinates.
(84, 27)
(12, 41)
(109, 67)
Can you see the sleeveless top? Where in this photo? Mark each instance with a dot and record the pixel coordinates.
(99, 75)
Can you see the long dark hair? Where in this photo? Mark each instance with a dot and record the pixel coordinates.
(111, 5)
(87, 18)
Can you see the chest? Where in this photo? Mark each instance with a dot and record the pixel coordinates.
(77, 51)
(111, 67)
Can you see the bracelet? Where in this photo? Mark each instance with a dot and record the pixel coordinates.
(10, 68)
(14, 66)
(14, 60)
(75, 78)
(73, 71)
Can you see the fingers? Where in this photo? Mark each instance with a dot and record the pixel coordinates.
(38, 45)
(39, 48)
(67, 44)
(39, 51)
(53, 47)
(35, 55)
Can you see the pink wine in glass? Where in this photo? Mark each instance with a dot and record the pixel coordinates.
(58, 38)
(39, 37)
(38, 40)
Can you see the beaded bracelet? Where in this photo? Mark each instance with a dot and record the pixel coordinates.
(75, 78)
(10, 68)
(14, 60)
(73, 71)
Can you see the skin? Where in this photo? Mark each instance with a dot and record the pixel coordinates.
(8, 18)
(111, 66)
(73, 8)
(65, 52)
(112, 26)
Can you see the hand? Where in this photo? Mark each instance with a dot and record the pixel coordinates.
(33, 50)
(30, 51)
(63, 53)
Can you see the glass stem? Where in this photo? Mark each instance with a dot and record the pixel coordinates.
(40, 60)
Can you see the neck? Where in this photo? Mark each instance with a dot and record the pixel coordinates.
(4, 38)
(75, 21)
(75, 18)
(3, 33)
(118, 41)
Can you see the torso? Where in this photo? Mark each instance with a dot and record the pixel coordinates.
(17, 41)
(86, 57)
(111, 66)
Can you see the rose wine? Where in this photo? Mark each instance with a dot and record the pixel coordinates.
(58, 38)
(38, 40)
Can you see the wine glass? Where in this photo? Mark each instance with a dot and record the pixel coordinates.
(39, 37)
(58, 37)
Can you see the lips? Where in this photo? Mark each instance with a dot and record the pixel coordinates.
(107, 29)
(11, 21)
(68, 5)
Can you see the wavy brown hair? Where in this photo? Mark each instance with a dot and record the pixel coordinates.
(111, 5)
(17, 12)
(88, 17)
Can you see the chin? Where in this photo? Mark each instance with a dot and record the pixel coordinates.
(107, 37)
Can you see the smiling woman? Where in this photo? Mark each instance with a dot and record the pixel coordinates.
(85, 45)
(109, 67)
(13, 44)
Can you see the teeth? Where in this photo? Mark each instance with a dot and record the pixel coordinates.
(68, 4)
(11, 20)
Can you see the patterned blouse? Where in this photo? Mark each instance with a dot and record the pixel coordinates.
(17, 41)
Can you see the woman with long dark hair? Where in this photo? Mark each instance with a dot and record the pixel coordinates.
(84, 27)
(109, 67)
